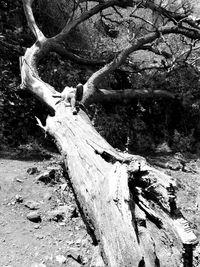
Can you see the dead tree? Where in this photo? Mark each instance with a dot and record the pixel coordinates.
(129, 206)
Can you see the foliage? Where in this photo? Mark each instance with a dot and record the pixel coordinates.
(182, 143)
(125, 127)
(17, 108)
(142, 125)
(59, 73)
(146, 123)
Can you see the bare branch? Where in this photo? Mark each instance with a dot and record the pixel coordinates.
(157, 51)
(92, 83)
(136, 45)
(144, 20)
(32, 81)
(84, 16)
(75, 58)
(174, 16)
(126, 96)
(117, 12)
(90, 88)
(27, 4)
(107, 17)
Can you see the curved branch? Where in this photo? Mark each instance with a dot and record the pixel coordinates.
(108, 183)
(138, 44)
(126, 96)
(157, 51)
(27, 4)
(32, 81)
(75, 58)
(84, 16)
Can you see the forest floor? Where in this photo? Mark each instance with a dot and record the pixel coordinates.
(40, 225)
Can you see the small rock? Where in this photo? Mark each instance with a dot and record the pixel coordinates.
(60, 213)
(39, 236)
(36, 226)
(18, 199)
(174, 164)
(34, 216)
(43, 177)
(63, 187)
(74, 213)
(62, 223)
(32, 205)
(56, 215)
(78, 242)
(48, 196)
(19, 180)
(32, 170)
(75, 254)
(60, 259)
(84, 260)
(191, 167)
(46, 177)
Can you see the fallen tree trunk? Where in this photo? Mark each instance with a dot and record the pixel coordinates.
(128, 205)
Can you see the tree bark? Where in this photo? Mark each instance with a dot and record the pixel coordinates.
(126, 203)
(129, 206)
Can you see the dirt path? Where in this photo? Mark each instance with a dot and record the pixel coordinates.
(60, 239)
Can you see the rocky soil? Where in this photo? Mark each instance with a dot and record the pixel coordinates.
(40, 224)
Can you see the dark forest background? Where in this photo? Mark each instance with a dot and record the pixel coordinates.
(145, 125)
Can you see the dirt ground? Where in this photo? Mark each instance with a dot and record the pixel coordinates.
(40, 225)
(59, 237)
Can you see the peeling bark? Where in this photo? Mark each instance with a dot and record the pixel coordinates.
(126, 202)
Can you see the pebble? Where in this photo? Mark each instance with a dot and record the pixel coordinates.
(62, 224)
(19, 180)
(59, 214)
(39, 236)
(32, 205)
(46, 177)
(63, 187)
(34, 216)
(75, 254)
(36, 227)
(56, 215)
(19, 199)
(43, 177)
(48, 196)
(60, 259)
